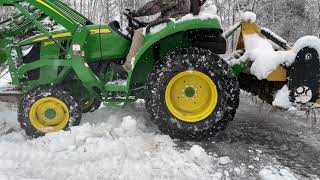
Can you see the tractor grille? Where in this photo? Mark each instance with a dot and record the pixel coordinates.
(71, 13)
(25, 22)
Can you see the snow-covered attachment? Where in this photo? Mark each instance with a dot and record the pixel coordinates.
(271, 65)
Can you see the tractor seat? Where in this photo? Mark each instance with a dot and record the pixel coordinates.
(115, 26)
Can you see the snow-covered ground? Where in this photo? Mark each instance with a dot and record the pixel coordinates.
(124, 144)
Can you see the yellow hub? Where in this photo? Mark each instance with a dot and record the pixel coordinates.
(49, 115)
(88, 103)
(318, 101)
(191, 96)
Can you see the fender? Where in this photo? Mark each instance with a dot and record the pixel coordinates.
(169, 35)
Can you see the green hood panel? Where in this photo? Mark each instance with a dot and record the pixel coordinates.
(42, 37)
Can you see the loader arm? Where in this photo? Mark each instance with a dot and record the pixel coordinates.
(57, 10)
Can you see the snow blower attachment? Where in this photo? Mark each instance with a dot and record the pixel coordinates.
(190, 92)
(267, 63)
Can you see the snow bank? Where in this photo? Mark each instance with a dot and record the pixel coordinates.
(249, 16)
(271, 173)
(282, 98)
(117, 144)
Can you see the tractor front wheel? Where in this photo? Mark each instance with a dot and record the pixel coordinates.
(192, 94)
(48, 109)
(90, 105)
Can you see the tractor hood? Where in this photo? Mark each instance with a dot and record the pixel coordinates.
(42, 37)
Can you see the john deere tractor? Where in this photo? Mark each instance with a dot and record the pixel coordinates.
(190, 92)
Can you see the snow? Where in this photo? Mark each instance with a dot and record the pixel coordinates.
(109, 144)
(271, 173)
(282, 98)
(265, 58)
(249, 17)
(207, 12)
(118, 82)
(274, 35)
(224, 160)
(232, 29)
(5, 80)
(306, 41)
(156, 29)
(101, 151)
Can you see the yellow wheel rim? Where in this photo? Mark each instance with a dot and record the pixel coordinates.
(318, 101)
(88, 103)
(191, 96)
(49, 115)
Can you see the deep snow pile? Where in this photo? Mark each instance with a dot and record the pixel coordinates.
(122, 147)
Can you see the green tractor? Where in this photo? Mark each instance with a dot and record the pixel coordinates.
(190, 92)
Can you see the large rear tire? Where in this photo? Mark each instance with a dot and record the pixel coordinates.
(192, 94)
(48, 109)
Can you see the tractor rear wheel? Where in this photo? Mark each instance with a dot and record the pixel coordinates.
(192, 94)
(48, 109)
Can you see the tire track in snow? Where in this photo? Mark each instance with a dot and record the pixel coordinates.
(278, 135)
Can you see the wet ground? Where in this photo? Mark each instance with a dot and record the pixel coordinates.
(262, 135)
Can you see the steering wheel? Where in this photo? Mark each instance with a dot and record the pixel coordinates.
(135, 23)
